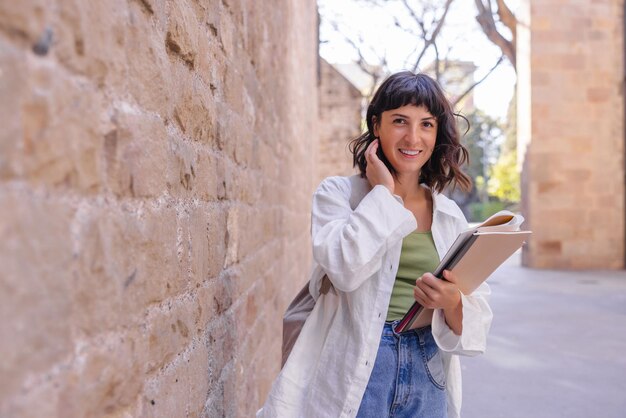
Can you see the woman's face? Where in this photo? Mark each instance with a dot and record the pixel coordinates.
(407, 137)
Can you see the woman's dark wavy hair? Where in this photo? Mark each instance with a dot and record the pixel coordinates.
(404, 88)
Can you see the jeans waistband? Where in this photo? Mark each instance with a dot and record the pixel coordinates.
(389, 330)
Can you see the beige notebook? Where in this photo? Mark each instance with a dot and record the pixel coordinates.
(486, 253)
(473, 257)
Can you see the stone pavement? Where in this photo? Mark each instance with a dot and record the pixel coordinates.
(557, 347)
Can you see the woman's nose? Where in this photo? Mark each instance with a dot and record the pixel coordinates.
(413, 136)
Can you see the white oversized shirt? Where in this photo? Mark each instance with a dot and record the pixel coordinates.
(357, 234)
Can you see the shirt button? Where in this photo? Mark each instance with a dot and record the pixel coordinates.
(367, 363)
(379, 314)
(390, 266)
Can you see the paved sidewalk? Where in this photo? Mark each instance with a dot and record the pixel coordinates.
(557, 347)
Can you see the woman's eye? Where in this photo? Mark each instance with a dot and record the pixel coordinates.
(399, 121)
(428, 124)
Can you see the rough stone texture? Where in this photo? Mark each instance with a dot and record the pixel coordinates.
(340, 121)
(157, 160)
(571, 133)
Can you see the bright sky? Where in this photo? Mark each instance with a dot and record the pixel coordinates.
(461, 33)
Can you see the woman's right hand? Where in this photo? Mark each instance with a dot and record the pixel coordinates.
(376, 171)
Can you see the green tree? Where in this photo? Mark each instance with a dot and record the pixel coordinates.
(482, 141)
(504, 179)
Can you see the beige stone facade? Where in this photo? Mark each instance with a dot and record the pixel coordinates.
(340, 105)
(157, 160)
(571, 132)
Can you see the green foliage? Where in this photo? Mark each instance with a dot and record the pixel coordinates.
(504, 177)
(479, 211)
(504, 180)
(482, 142)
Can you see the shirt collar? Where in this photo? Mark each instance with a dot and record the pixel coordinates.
(441, 203)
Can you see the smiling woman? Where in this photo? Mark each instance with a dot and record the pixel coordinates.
(377, 237)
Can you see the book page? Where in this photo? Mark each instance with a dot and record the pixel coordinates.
(501, 221)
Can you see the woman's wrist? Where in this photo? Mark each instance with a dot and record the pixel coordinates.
(454, 316)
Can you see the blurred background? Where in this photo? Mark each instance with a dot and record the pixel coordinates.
(158, 158)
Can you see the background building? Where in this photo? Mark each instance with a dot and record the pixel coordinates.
(340, 105)
(571, 132)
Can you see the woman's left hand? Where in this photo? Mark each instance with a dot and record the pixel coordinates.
(434, 293)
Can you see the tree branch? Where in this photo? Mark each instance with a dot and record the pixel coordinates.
(488, 25)
(506, 16)
(428, 40)
(470, 88)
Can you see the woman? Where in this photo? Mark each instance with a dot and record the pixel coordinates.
(376, 236)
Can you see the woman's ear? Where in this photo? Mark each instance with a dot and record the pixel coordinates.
(375, 126)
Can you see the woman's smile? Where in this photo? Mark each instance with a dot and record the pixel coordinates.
(409, 153)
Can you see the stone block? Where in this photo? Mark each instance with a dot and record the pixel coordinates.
(195, 111)
(105, 378)
(180, 171)
(598, 94)
(59, 144)
(91, 39)
(127, 258)
(149, 74)
(166, 332)
(13, 89)
(137, 154)
(182, 33)
(550, 248)
(181, 388)
(24, 22)
(37, 259)
(207, 243)
(232, 237)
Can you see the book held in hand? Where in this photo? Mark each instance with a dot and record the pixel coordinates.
(473, 257)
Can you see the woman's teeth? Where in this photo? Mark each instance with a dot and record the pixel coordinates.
(409, 152)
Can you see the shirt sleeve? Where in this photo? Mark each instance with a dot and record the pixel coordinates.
(477, 318)
(349, 244)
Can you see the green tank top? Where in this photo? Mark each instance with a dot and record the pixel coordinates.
(418, 256)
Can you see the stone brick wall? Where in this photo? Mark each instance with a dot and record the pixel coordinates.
(340, 121)
(571, 132)
(157, 160)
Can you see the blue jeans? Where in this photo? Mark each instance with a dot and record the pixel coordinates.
(408, 379)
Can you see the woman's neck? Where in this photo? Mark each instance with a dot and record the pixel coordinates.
(407, 187)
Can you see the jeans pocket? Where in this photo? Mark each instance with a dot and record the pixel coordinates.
(434, 368)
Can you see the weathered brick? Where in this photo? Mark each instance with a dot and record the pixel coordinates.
(13, 85)
(138, 154)
(56, 150)
(36, 281)
(149, 69)
(573, 157)
(181, 389)
(104, 380)
(155, 180)
(90, 38)
(24, 22)
(126, 259)
(195, 111)
(182, 33)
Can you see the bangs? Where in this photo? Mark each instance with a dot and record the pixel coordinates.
(415, 90)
